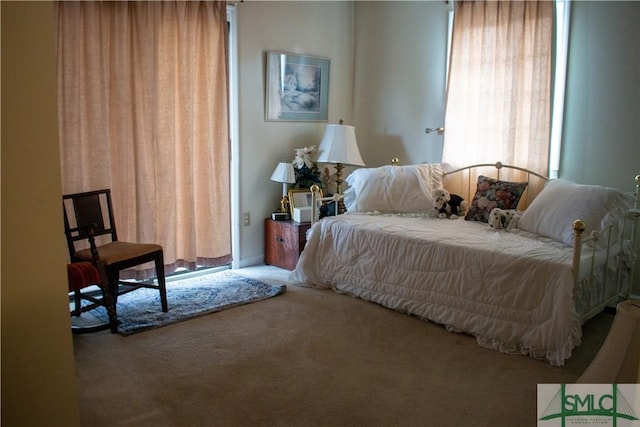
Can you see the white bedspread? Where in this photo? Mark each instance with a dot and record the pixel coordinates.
(514, 293)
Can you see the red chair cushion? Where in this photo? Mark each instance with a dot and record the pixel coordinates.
(81, 275)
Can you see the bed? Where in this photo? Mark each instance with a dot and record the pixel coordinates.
(525, 291)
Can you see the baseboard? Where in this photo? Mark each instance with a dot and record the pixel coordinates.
(251, 261)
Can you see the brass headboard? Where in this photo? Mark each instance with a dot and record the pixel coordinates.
(462, 181)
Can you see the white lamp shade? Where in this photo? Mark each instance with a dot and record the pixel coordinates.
(284, 173)
(339, 146)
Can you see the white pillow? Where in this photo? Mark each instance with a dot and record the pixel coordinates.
(561, 202)
(393, 189)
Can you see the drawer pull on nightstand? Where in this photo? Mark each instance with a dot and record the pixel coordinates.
(279, 239)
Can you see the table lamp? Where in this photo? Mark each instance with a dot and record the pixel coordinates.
(285, 174)
(339, 146)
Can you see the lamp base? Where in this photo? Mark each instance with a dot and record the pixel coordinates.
(284, 204)
(341, 208)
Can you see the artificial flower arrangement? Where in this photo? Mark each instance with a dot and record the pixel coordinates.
(308, 174)
(306, 170)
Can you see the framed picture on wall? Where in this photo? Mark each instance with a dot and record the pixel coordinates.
(297, 87)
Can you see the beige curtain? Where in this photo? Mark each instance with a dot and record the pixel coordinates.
(499, 89)
(143, 110)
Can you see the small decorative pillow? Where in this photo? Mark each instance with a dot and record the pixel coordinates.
(491, 194)
(393, 189)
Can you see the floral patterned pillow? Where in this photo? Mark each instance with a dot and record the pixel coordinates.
(492, 193)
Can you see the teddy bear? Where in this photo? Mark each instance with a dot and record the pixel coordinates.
(503, 218)
(449, 205)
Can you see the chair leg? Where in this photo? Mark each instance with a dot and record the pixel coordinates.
(77, 303)
(110, 282)
(159, 261)
(111, 309)
(113, 282)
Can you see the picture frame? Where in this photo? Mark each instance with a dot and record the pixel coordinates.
(297, 87)
(300, 198)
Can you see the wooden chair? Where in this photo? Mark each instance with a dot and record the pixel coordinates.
(82, 275)
(91, 214)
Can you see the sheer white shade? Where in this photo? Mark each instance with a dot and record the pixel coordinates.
(284, 173)
(339, 146)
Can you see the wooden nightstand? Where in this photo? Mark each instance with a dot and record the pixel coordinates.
(283, 242)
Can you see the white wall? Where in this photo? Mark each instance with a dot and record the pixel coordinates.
(601, 138)
(312, 28)
(400, 66)
(601, 134)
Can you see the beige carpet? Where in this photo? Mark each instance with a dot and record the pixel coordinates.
(311, 358)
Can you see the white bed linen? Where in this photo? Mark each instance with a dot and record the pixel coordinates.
(514, 293)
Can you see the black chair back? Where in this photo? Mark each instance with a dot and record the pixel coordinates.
(87, 212)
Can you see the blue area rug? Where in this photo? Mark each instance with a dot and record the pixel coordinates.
(140, 310)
